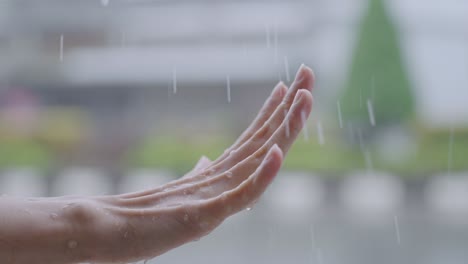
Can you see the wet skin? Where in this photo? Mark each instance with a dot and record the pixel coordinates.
(143, 225)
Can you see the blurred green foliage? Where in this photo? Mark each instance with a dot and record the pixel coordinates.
(15, 152)
(377, 73)
(333, 158)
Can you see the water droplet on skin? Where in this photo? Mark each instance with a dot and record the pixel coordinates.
(248, 208)
(27, 212)
(53, 216)
(204, 225)
(72, 244)
(68, 205)
(228, 174)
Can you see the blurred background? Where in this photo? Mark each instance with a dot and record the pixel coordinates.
(109, 96)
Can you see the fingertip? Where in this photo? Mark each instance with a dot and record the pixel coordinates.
(280, 89)
(274, 157)
(276, 150)
(305, 75)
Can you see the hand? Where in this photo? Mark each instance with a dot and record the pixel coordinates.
(145, 224)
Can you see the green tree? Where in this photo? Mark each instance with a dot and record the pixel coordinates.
(377, 74)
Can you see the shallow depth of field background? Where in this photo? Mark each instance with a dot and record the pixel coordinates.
(102, 97)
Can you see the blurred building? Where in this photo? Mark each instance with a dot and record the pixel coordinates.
(120, 54)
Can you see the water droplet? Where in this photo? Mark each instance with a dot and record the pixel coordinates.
(450, 150)
(229, 174)
(319, 256)
(228, 88)
(67, 205)
(304, 126)
(248, 208)
(275, 35)
(61, 48)
(340, 117)
(321, 138)
(397, 229)
(174, 80)
(204, 225)
(286, 68)
(267, 31)
(370, 109)
(72, 244)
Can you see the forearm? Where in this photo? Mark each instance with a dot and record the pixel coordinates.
(39, 231)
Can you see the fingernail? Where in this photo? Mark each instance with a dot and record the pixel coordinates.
(275, 147)
(300, 73)
(277, 88)
(300, 95)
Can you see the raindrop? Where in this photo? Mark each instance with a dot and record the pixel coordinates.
(370, 109)
(61, 48)
(360, 97)
(174, 80)
(228, 88)
(275, 35)
(340, 117)
(397, 229)
(286, 68)
(72, 244)
(267, 30)
(312, 235)
(321, 138)
(450, 151)
(319, 256)
(304, 123)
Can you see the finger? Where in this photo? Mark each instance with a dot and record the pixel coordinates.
(283, 137)
(304, 78)
(202, 164)
(263, 115)
(241, 197)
